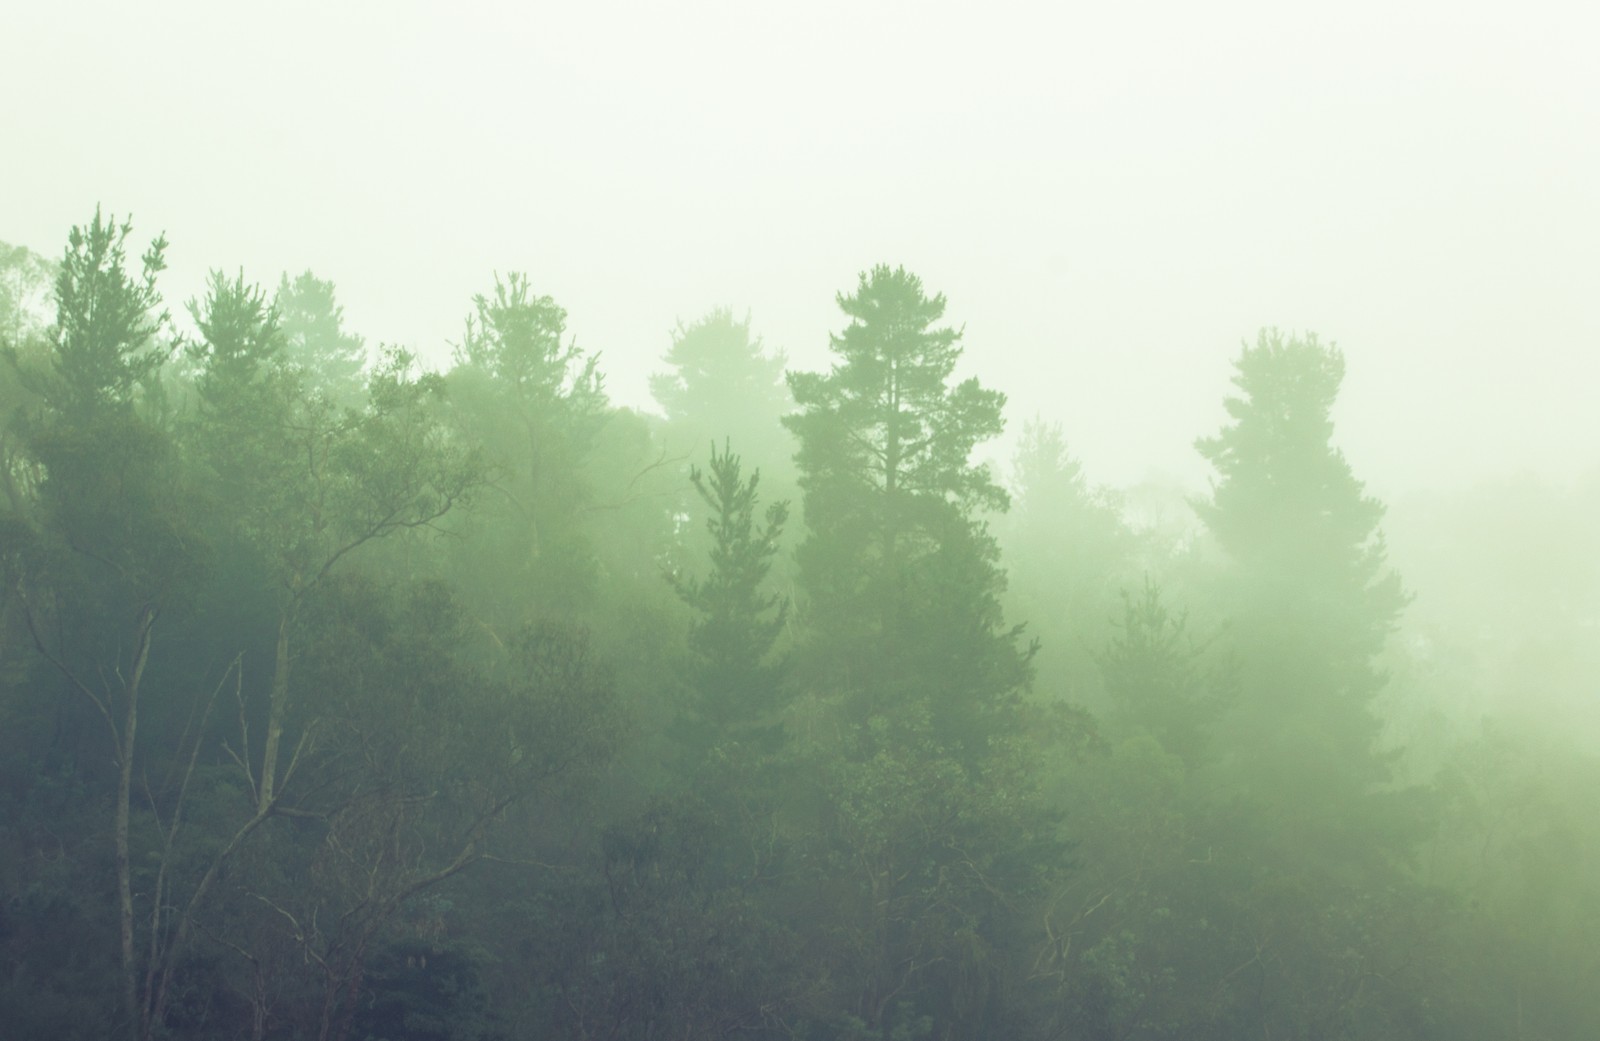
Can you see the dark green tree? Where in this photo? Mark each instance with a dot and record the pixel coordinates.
(108, 548)
(721, 385)
(105, 342)
(420, 756)
(246, 390)
(901, 573)
(298, 488)
(737, 620)
(523, 390)
(911, 723)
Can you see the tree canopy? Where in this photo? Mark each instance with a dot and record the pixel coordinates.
(346, 698)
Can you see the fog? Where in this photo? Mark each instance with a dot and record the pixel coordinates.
(1113, 199)
(849, 522)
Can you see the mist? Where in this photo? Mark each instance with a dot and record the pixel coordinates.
(851, 521)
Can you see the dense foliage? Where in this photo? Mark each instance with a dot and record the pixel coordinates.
(345, 700)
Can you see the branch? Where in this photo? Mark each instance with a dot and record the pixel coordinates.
(61, 666)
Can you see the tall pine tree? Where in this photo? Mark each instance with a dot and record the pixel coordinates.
(902, 573)
(913, 728)
(1312, 598)
(1308, 835)
(737, 621)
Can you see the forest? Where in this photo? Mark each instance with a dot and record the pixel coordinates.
(349, 698)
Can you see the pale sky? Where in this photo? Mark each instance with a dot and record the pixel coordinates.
(1112, 196)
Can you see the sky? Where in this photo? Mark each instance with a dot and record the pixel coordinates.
(1113, 197)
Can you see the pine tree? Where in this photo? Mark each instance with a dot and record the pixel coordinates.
(523, 390)
(1158, 677)
(1309, 589)
(315, 337)
(1308, 833)
(1079, 553)
(901, 571)
(115, 547)
(723, 385)
(107, 319)
(737, 620)
(910, 719)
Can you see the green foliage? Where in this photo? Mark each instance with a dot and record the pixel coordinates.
(105, 335)
(723, 386)
(927, 833)
(1518, 840)
(1311, 598)
(300, 479)
(1079, 552)
(886, 417)
(1296, 523)
(537, 406)
(315, 339)
(736, 620)
(1309, 841)
(920, 873)
(424, 991)
(901, 574)
(26, 281)
(682, 940)
(516, 339)
(240, 338)
(1158, 680)
(26, 287)
(276, 763)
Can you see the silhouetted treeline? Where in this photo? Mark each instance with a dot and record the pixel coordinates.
(341, 699)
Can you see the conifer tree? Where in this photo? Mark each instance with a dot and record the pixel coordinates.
(315, 337)
(114, 547)
(1308, 586)
(914, 727)
(722, 384)
(737, 621)
(900, 568)
(1309, 836)
(523, 390)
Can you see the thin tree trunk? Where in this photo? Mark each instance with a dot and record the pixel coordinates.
(180, 935)
(891, 520)
(275, 713)
(133, 1008)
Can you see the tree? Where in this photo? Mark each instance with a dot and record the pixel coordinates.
(535, 402)
(315, 338)
(1070, 551)
(245, 390)
(420, 755)
(1309, 835)
(298, 487)
(26, 292)
(113, 548)
(902, 575)
(912, 727)
(1158, 680)
(722, 385)
(104, 343)
(732, 685)
(1308, 586)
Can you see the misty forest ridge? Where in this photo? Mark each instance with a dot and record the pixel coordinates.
(345, 697)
